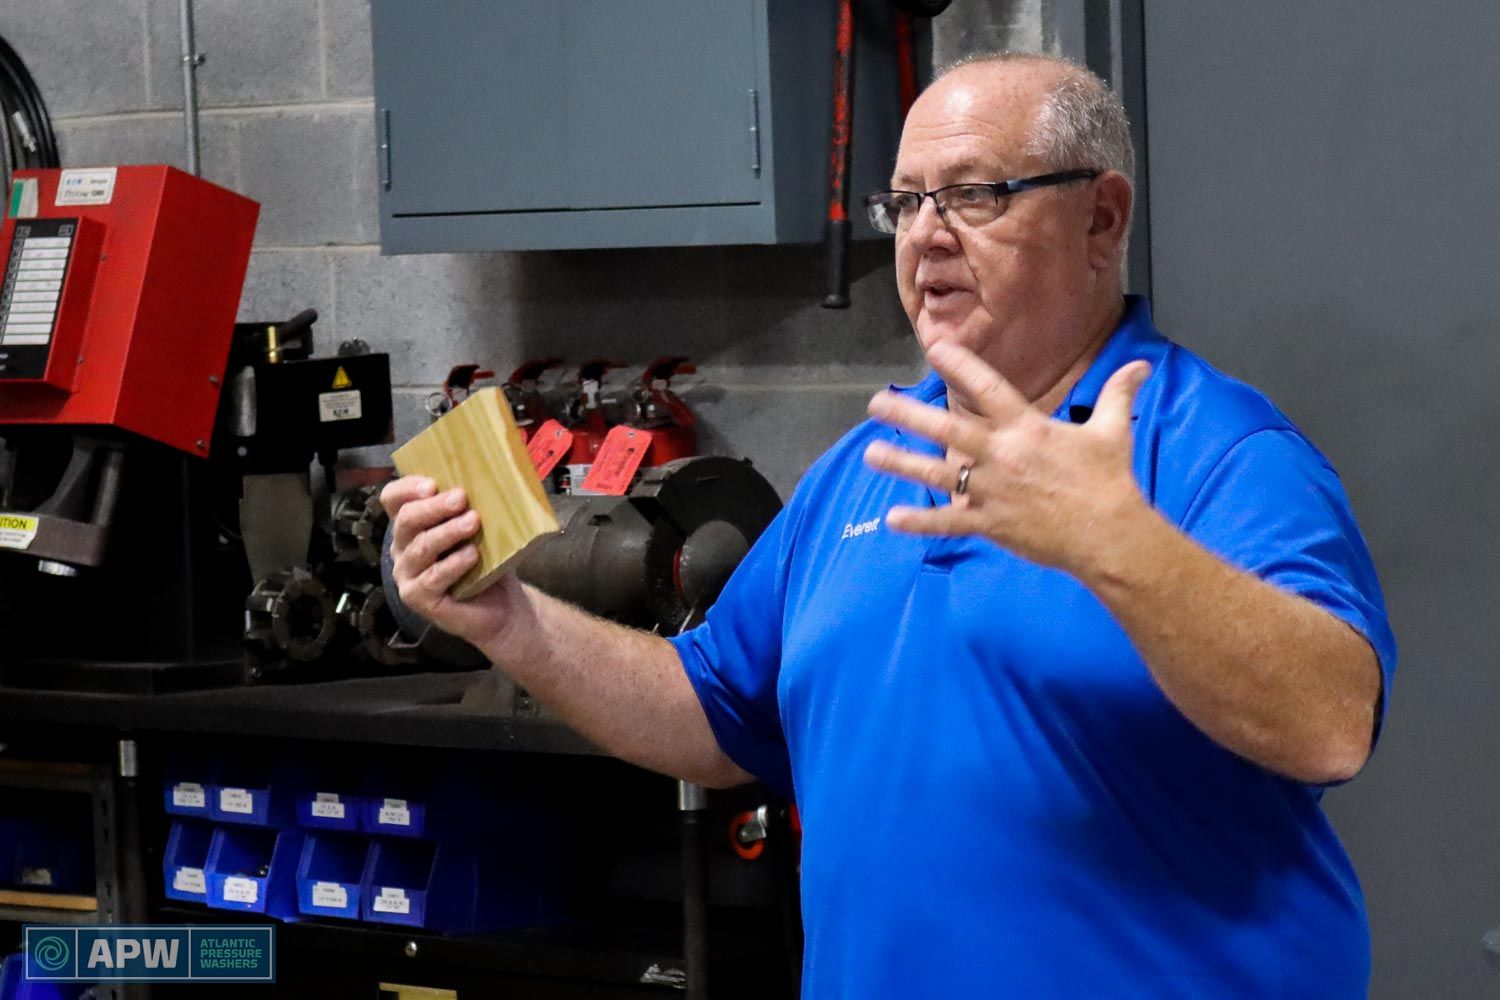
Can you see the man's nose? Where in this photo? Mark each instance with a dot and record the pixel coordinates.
(929, 230)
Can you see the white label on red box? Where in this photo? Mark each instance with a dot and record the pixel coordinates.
(236, 800)
(241, 890)
(326, 805)
(188, 795)
(86, 187)
(393, 812)
(330, 895)
(392, 900)
(190, 880)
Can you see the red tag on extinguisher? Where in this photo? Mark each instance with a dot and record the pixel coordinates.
(548, 446)
(622, 452)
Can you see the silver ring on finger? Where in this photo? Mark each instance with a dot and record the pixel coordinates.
(963, 480)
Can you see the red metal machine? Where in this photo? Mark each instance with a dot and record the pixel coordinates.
(142, 268)
(117, 312)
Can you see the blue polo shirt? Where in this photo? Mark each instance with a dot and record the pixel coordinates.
(997, 799)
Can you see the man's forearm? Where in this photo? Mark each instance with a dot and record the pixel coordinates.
(1267, 674)
(620, 687)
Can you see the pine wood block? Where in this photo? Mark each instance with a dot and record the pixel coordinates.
(478, 447)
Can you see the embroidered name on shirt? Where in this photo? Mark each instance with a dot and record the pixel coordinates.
(862, 528)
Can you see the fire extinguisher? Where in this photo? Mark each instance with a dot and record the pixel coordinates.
(523, 392)
(663, 412)
(587, 419)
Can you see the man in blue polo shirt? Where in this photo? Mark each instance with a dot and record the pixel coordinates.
(1056, 654)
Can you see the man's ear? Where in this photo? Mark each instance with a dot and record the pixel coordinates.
(1113, 199)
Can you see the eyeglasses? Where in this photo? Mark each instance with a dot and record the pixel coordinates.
(971, 204)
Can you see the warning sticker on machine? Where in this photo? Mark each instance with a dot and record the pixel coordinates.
(86, 187)
(339, 406)
(17, 532)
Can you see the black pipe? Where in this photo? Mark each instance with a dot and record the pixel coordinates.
(695, 903)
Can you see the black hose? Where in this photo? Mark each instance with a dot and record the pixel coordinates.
(25, 115)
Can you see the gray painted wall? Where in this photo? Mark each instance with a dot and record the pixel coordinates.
(287, 119)
(1323, 215)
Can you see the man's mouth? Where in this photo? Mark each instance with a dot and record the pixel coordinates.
(941, 293)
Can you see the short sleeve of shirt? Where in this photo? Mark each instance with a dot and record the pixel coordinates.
(1274, 507)
(734, 660)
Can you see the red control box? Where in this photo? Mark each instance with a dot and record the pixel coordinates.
(119, 299)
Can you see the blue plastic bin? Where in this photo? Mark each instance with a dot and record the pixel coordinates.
(330, 875)
(188, 786)
(456, 888)
(185, 862)
(51, 855)
(13, 984)
(255, 794)
(328, 798)
(254, 870)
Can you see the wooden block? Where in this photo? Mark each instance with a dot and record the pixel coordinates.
(478, 447)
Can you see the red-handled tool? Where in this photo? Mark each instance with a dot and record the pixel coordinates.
(836, 238)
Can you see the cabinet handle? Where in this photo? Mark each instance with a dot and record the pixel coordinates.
(754, 132)
(385, 148)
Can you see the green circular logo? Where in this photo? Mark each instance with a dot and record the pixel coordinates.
(50, 954)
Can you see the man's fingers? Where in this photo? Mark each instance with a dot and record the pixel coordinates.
(909, 465)
(434, 582)
(1112, 412)
(948, 520)
(417, 516)
(430, 545)
(975, 380)
(400, 492)
(953, 430)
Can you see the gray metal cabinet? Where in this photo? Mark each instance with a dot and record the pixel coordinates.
(546, 124)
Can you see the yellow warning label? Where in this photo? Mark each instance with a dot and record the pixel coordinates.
(17, 532)
(341, 379)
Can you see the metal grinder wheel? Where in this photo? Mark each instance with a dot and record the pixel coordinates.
(656, 558)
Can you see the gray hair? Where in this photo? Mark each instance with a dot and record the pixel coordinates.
(1081, 123)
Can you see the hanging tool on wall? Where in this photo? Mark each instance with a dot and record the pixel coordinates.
(26, 137)
(836, 241)
(839, 227)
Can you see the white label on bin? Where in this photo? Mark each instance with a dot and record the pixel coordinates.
(189, 880)
(330, 895)
(188, 795)
(392, 900)
(241, 890)
(336, 406)
(393, 812)
(327, 805)
(236, 800)
(86, 187)
(36, 876)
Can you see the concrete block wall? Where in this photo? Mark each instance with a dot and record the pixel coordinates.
(287, 118)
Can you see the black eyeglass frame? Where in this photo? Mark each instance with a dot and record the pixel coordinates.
(999, 188)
